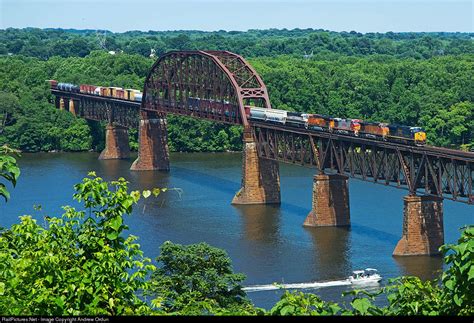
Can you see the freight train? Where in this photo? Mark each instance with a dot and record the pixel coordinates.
(110, 91)
(353, 127)
(316, 122)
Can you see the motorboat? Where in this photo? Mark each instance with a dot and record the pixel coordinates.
(366, 276)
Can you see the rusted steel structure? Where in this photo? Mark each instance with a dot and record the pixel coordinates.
(434, 171)
(210, 85)
(213, 85)
(92, 107)
(217, 85)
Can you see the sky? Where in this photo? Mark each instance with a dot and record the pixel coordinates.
(210, 15)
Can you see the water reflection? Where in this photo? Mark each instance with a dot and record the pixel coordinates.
(425, 267)
(332, 250)
(260, 222)
(112, 168)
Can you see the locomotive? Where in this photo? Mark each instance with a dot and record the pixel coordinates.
(408, 135)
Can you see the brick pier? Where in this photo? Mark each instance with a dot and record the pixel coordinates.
(116, 143)
(153, 151)
(330, 201)
(423, 231)
(260, 177)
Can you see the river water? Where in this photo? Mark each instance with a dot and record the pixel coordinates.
(266, 243)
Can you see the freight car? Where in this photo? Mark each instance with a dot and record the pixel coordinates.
(297, 119)
(111, 91)
(68, 87)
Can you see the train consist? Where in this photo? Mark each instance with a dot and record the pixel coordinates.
(352, 127)
(109, 91)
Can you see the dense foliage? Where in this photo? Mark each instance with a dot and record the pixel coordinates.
(84, 263)
(46, 43)
(198, 279)
(78, 263)
(409, 78)
(9, 170)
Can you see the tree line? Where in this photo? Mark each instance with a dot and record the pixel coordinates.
(46, 43)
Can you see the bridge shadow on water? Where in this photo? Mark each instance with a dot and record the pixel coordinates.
(227, 186)
(230, 187)
(205, 179)
(374, 233)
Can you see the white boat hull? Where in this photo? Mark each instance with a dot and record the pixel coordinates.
(365, 280)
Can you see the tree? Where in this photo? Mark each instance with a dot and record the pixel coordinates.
(9, 170)
(77, 264)
(301, 304)
(458, 279)
(9, 104)
(197, 279)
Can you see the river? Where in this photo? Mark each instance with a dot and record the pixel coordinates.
(266, 243)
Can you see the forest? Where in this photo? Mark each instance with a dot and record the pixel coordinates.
(422, 79)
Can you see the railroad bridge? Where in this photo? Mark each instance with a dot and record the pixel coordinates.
(430, 174)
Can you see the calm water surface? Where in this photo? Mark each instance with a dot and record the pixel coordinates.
(266, 243)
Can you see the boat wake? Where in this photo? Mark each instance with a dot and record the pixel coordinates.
(368, 276)
(257, 288)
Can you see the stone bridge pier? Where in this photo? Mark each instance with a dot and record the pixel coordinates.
(423, 231)
(153, 153)
(330, 201)
(260, 177)
(116, 143)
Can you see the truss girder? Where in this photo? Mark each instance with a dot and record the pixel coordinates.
(114, 111)
(420, 171)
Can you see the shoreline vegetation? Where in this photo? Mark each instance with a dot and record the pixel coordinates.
(419, 79)
(85, 262)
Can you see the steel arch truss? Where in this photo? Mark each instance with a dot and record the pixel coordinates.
(419, 170)
(213, 85)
